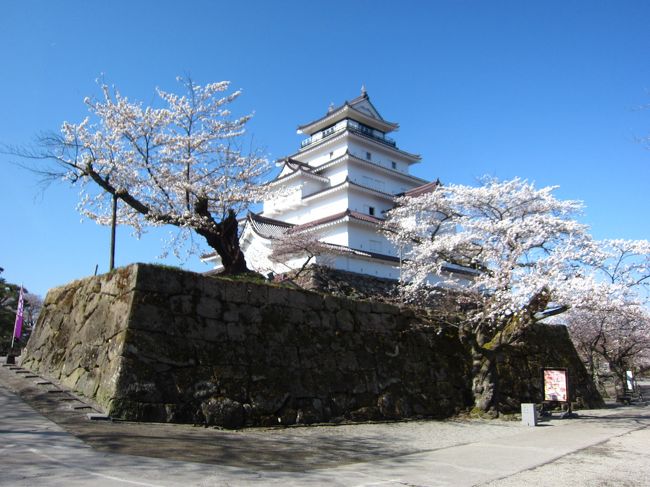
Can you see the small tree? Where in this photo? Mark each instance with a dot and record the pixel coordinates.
(180, 164)
(522, 242)
(304, 245)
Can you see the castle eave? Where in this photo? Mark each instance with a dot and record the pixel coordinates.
(342, 112)
(387, 170)
(324, 142)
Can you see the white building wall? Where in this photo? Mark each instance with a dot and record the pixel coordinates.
(379, 154)
(319, 207)
(290, 193)
(367, 238)
(257, 251)
(324, 154)
(310, 186)
(337, 173)
(327, 205)
(337, 235)
(362, 202)
(366, 175)
(291, 197)
(364, 266)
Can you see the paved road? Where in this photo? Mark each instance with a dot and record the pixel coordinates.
(604, 447)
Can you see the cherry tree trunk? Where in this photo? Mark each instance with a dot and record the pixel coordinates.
(226, 244)
(620, 376)
(237, 263)
(223, 237)
(485, 383)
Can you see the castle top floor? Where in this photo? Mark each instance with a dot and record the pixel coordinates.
(360, 109)
(358, 117)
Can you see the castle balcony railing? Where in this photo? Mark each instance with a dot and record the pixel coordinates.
(352, 126)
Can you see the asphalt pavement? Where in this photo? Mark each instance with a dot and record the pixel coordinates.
(46, 438)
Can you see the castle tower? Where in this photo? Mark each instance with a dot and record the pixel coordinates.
(336, 188)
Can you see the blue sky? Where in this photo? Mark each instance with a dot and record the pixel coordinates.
(548, 91)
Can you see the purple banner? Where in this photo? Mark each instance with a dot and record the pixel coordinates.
(18, 326)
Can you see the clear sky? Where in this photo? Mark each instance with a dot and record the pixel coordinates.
(549, 91)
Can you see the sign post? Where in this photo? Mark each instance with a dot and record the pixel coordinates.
(556, 388)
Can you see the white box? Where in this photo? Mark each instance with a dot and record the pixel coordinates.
(528, 414)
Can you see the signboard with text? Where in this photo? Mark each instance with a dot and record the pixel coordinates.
(556, 385)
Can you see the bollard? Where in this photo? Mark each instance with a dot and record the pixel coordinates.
(528, 414)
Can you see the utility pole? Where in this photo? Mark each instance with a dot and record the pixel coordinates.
(111, 264)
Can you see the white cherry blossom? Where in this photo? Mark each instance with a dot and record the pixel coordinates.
(178, 163)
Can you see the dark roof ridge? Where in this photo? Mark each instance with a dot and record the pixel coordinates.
(320, 221)
(270, 221)
(425, 188)
(289, 161)
(299, 166)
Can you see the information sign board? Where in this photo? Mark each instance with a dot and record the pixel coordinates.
(556, 385)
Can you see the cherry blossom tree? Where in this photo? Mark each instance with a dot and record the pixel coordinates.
(178, 164)
(609, 319)
(618, 336)
(523, 245)
(297, 245)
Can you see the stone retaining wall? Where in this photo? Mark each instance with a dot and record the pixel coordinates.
(156, 344)
(161, 345)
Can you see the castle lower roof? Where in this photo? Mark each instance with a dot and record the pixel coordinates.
(335, 218)
(297, 168)
(425, 188)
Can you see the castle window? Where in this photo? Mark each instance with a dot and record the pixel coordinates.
(331, 154)
(368, 156)
(393, 164)
(371, 210)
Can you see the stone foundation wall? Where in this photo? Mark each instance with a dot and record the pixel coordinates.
(520, 365)
(81, 333)
(154, 344)
(160, 345)
(348, 284)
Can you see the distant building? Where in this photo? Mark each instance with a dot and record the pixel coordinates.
(336, 188)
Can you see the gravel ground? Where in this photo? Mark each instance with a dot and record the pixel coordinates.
(620, 462)
(289, 448)
(600, 448)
